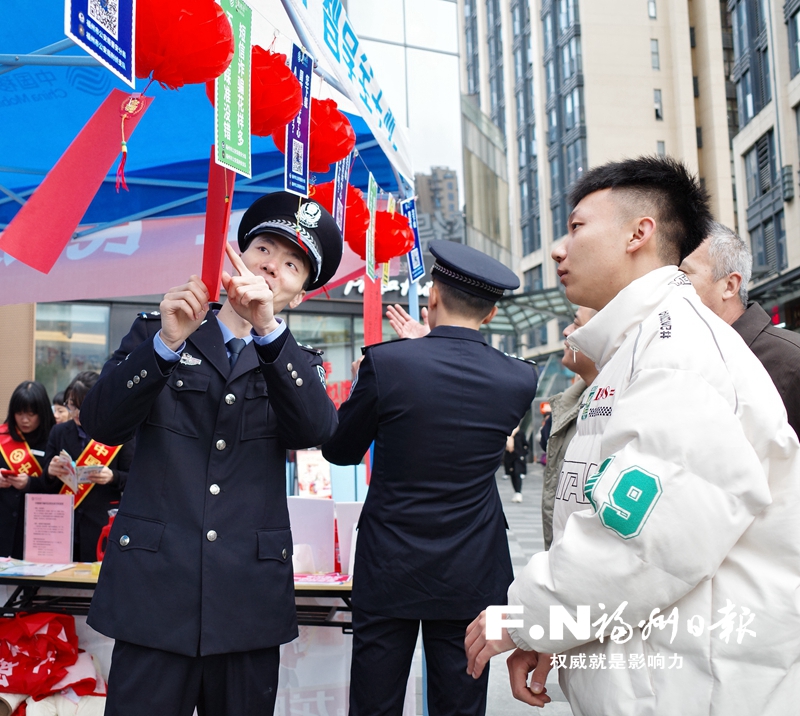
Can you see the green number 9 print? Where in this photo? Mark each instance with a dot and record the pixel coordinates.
(631, 501)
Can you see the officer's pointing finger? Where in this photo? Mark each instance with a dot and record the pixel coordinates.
(237, 262)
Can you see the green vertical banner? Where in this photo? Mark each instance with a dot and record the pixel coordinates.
(232, 95)
(372, 201)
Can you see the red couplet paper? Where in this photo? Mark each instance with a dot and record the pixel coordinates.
(41, 229)
(218, 216)
(373, 312)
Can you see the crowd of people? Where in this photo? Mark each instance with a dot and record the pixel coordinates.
(671, 481)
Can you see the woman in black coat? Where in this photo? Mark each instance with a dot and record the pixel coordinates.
(91, 514)
(27, 427)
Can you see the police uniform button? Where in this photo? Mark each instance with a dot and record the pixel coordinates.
(179, 383)
(143, 374)
(294, 374)
(211, 535)
(289, 367)
(124, 541)
(299, 382)
(214, 489)
(136, 379)
(129, 384)
(283, 554)
(221, 444)
(230, 398)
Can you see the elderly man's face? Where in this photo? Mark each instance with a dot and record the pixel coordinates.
(700, 270)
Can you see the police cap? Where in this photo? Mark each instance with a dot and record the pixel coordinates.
(470, 270)
(303, 222)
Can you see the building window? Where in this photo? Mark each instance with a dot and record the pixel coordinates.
(651, 9)
(547, 22)
(654, 60)
(575, 160)
(494, 31)
(572, 109)
(471, 47)
(661, 149)
(759, 168)
(567, 14)
(794, 43)
(532, 279)
(550, 78)
(571, 58)
(751, 71)
(658, 104)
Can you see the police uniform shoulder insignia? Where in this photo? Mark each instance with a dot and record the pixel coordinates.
(150, 315)
(384, 343)
(520, 358)
(311, 349)
(321, 373)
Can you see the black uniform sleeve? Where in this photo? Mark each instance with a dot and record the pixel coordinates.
(358, 419)
(122, 464)
(296, 384)
(112, 411)
(46, 483)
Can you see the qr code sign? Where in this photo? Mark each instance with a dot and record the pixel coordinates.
(297, 156)
(106, 14)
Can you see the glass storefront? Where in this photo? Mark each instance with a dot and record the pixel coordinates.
(70, 338)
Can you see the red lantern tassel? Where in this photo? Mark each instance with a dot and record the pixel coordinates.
(130, 108)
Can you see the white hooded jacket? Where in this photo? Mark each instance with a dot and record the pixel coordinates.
(694, 510)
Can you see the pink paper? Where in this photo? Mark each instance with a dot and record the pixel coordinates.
(48, 528)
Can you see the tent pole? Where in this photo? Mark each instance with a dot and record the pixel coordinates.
(305, 38)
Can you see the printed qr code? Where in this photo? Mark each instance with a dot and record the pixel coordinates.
(297, 157)
(106, 14)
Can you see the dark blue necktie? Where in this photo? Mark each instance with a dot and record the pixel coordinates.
(235, 347)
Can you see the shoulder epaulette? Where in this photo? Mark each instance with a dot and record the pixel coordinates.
(520, 358)
(384, 343)
(151, 316)
(311, 349)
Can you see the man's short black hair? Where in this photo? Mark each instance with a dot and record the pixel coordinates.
(462, 303)
(676, 198)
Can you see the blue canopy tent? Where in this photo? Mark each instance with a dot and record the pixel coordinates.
(44, 106)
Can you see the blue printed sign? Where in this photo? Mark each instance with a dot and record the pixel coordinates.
(340, 178)
(105, 29)
(295, 175)
(416, 267)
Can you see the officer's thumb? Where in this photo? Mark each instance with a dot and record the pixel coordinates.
(539, 676)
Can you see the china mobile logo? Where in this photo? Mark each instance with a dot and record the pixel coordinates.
(615, 627)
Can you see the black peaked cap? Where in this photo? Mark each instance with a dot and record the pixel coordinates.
(304, 222)
(470, 270)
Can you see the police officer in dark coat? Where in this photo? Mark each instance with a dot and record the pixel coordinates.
(197, 585)
(432, 542)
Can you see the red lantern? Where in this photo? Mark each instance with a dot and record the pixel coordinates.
(275, 93)
(332, 136)
(356, 213)
(182, 43)
(393, 237)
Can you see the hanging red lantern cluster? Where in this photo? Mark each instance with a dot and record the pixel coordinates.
(393, 237)
(275, 94)
(332, 136)
(182, 43)
(356, 212)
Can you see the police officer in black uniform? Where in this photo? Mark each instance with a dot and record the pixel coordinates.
(432, 544)
(197, 585)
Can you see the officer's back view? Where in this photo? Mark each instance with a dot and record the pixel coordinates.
(432, 545)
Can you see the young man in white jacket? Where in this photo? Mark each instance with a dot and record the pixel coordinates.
(680, 491)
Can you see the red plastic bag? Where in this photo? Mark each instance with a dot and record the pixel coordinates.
(35, 651)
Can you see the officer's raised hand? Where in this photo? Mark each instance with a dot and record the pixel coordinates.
(249, 295)
(182, 311)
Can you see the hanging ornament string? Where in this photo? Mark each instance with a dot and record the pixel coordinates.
(131, 106)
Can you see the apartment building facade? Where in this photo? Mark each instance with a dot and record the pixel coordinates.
(571, 84)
